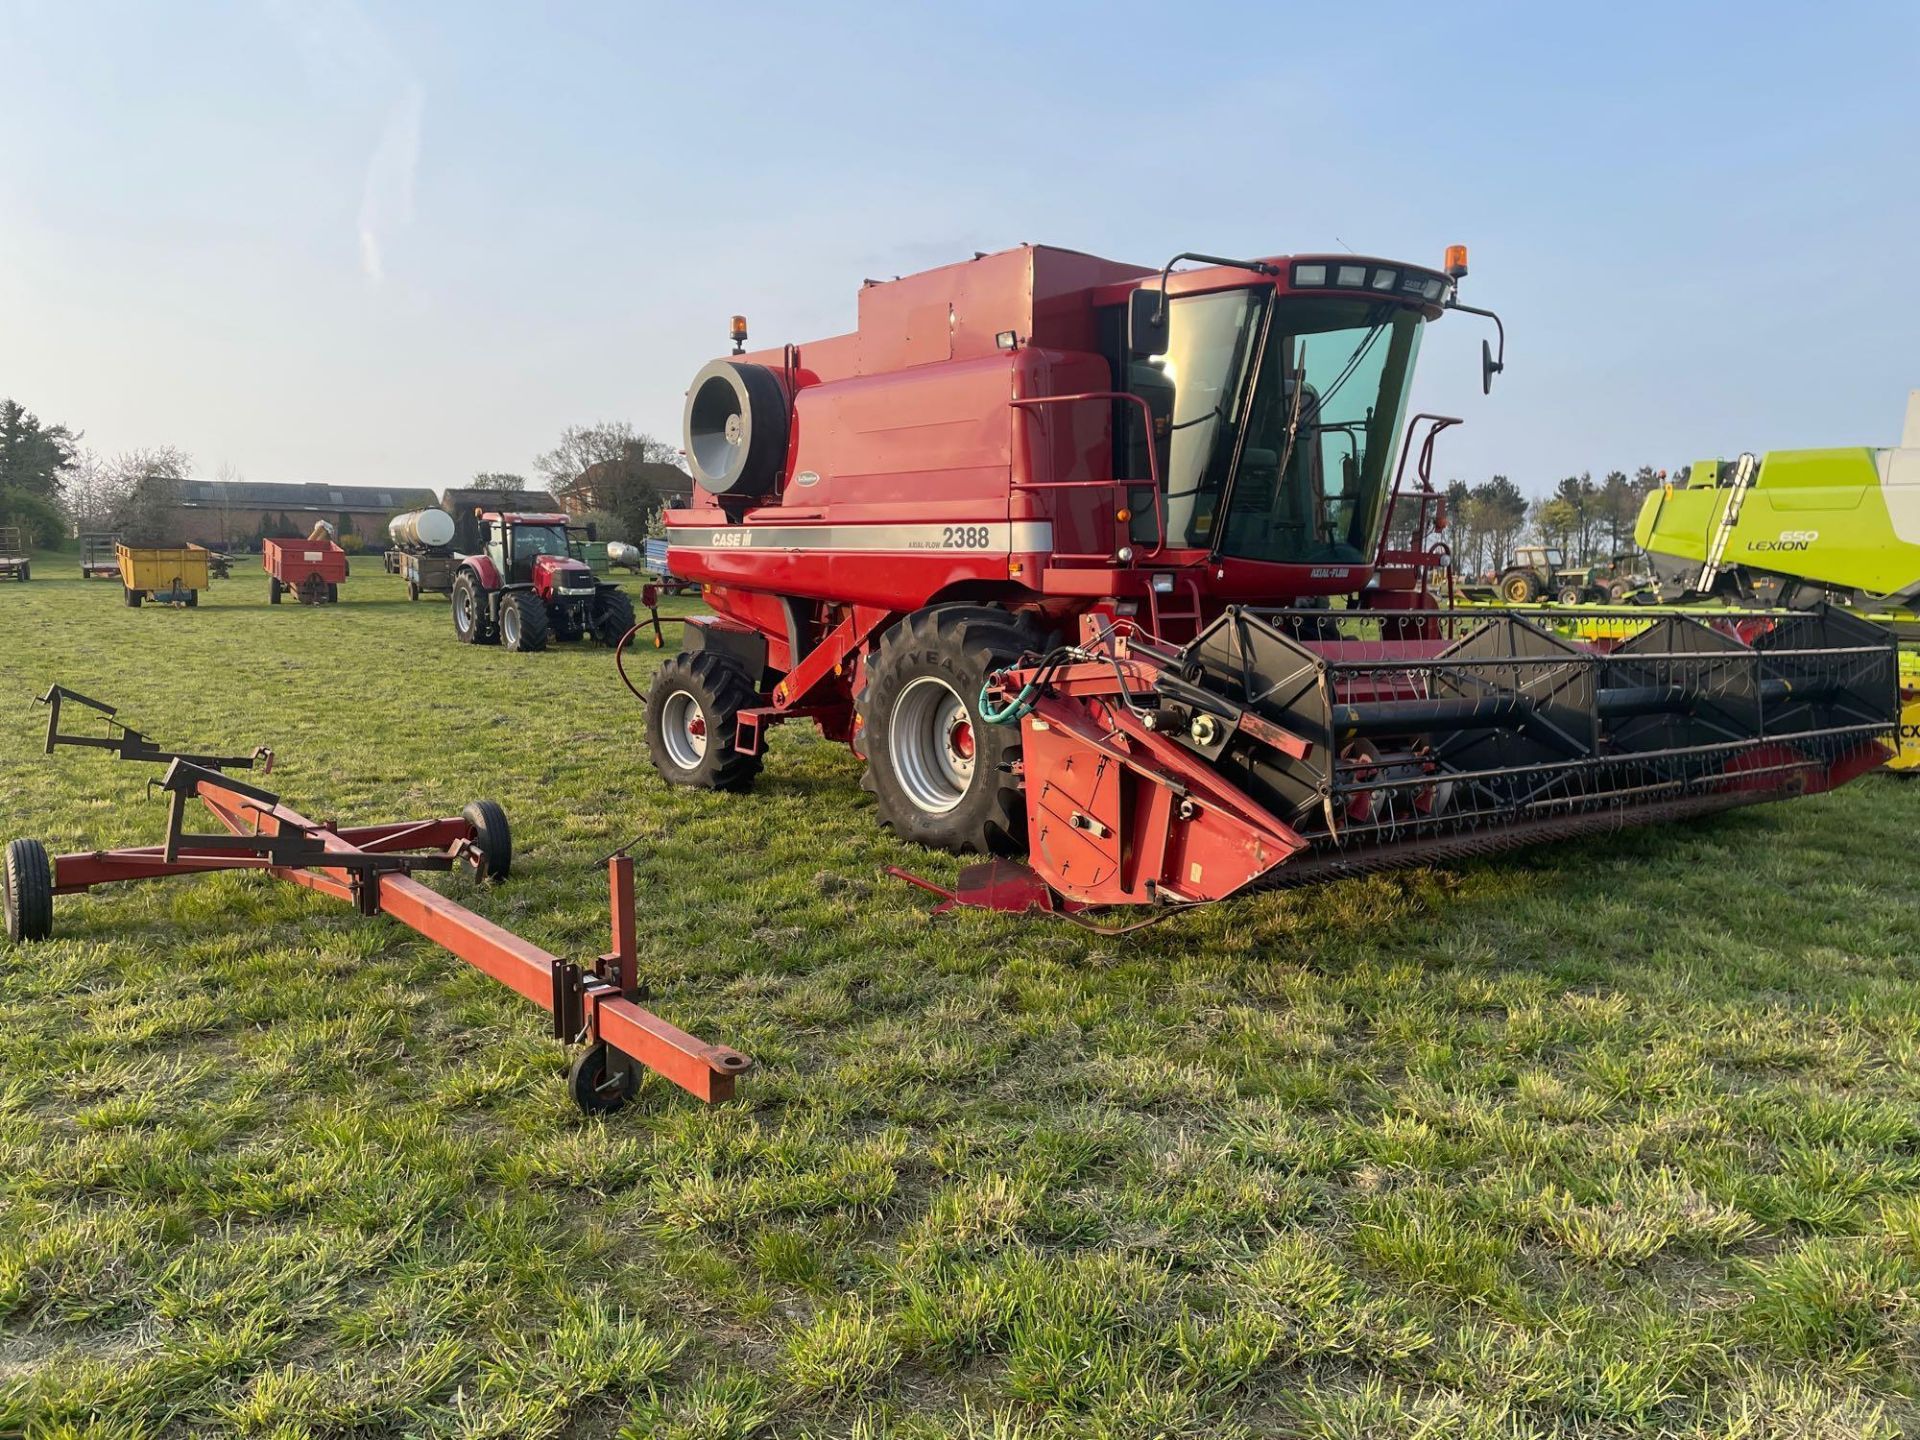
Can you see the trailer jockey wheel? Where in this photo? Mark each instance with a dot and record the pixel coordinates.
(938, 771)
(470, 623)
(523, 622)
(693, 714)
(26, 888)
(492, 840)
(598, 1081)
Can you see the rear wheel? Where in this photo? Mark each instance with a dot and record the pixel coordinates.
(1519, 587)
(469, 607)
(612, 616)
(693, 713)
(523, 622)
(26, 890)
(134, 597)
(275, 591)
(941, 775)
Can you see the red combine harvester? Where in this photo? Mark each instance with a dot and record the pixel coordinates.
(526, 588)
(1091, 563)
(309, 570)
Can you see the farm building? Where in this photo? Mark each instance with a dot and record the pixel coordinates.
(235, 515)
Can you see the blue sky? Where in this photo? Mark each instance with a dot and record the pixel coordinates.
(391, 244)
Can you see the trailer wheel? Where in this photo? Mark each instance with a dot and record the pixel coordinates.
(470, 625)
(413, 591)
(28, 891)
(193, 600)
(274, 590)
(133, 598)
(26, 572)
(523, 622)
(939, 773)
(333, 594)
(492, 840)
(596, 1086)
(612, 617)
(693, 712)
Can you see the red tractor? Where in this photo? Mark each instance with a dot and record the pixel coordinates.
(1090, 563)
(526, 588)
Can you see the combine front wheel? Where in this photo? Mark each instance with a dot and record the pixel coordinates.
(27, 874)
(693, 713)
(939, 772)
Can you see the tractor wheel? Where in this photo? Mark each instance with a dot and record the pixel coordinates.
(470, 624)
(693, 709)
(1519, 587)
(275, 591)
(594, 1084)
(523, 622)
(1571, 595)
(134, 597)
(492, 840)
(612, 617)
(938, 771)
(28, 891)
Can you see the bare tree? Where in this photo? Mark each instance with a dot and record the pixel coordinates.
(148, 484)
(583, 446)
(499, 480)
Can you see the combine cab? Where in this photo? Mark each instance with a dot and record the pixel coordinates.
(1087, 562)
(526, 588)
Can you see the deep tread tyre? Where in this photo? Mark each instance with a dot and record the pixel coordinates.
(594, 1086)
(470, 626)
(523, 622)
(492, 839)
(612, 617)
(693, 707)
(927, 789)
(1519, 587)
(26, 890)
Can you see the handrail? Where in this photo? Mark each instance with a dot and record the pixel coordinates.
(1153, 457)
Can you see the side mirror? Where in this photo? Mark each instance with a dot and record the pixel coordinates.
(1147, 323)
(1489, 367)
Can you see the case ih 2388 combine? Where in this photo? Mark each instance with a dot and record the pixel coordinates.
(1087, 562)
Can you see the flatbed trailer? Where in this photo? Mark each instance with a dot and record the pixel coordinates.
(99, 555)
(13, 555)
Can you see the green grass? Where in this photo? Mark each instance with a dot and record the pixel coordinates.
(1620, 1139)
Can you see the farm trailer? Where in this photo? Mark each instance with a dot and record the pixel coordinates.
(164, 574)
(14, 563)
(1087, 562)
(310, 570)
(594, 1000)
(422, 553)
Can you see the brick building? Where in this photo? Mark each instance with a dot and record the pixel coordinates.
(236, 515)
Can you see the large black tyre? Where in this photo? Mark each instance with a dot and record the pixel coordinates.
(492, 840)
(940, 774)
(1520, 587)
(693, 707)
(612, 616)
(26, 890)
(523, 622)
(470, 623)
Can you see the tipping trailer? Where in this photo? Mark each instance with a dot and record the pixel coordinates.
(309, 570)
(13, 555)
(1085, 560)
(164, 574)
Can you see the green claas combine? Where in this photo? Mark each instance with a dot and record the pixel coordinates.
(1793, 527)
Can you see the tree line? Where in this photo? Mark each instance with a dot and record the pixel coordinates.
(52, 486)
(1590, 520)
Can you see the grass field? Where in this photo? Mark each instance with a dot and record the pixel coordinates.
(1622, 1139)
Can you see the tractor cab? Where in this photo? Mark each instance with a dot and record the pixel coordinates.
(534, 550)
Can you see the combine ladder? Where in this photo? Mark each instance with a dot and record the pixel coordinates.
(1744, 470)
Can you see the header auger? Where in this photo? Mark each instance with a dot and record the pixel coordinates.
(1090, 563)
